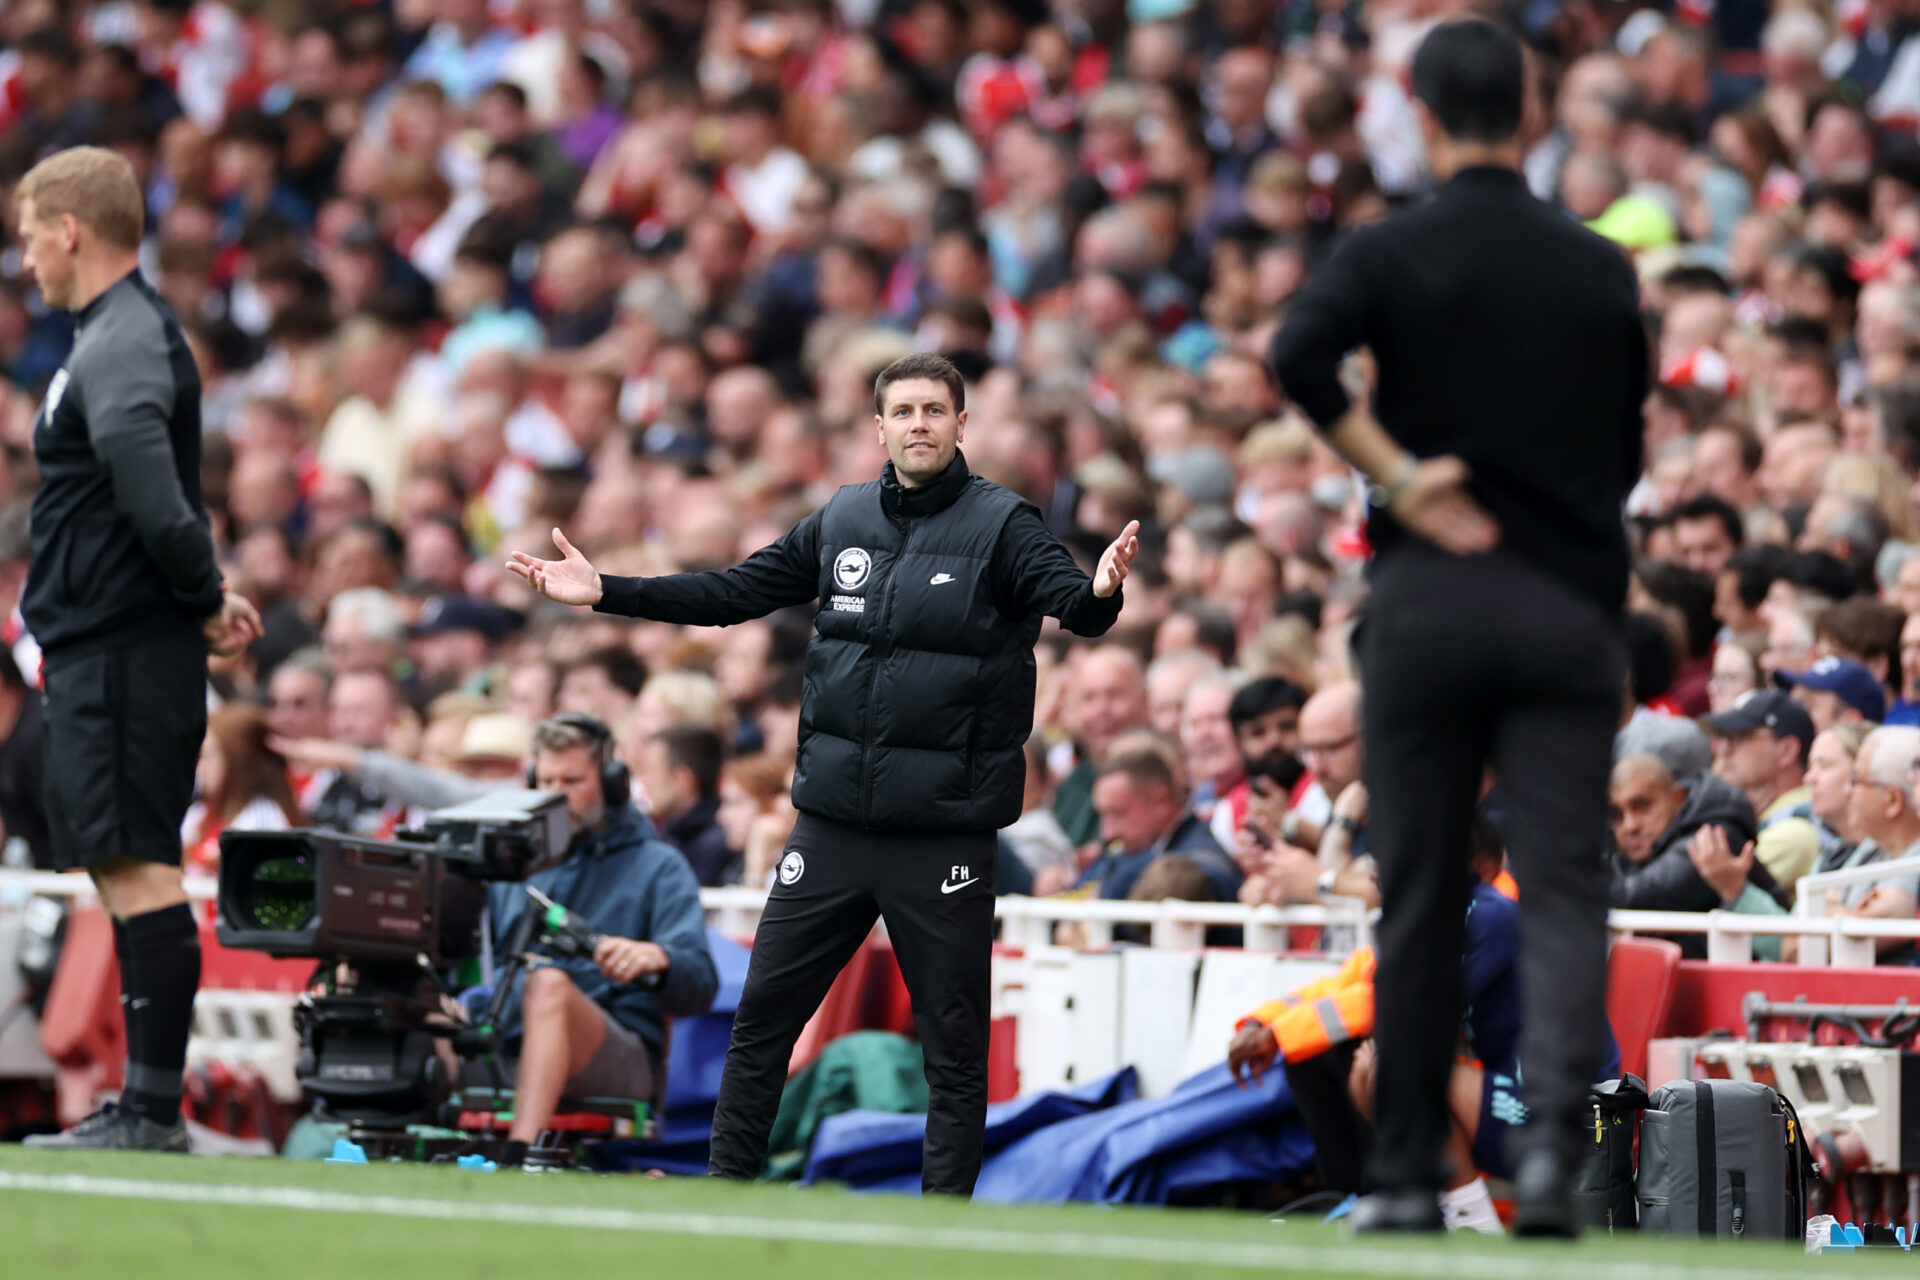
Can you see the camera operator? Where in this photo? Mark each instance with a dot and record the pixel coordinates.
(594, 1027)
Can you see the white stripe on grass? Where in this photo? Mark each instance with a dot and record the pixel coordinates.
(1440, 1263)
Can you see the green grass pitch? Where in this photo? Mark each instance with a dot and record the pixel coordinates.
(108, 1216)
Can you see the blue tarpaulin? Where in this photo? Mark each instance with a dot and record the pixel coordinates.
(1128, 1151)
(880, 1151)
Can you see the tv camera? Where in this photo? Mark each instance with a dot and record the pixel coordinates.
(392, 923)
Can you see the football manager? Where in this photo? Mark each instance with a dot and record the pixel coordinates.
(918, 702)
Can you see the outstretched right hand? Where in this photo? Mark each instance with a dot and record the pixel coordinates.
(570, 579)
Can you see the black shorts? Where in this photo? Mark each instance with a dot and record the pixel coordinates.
(123, 729)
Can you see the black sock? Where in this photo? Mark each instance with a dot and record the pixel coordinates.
(159, 976)
(126, 972)
(514, 1153)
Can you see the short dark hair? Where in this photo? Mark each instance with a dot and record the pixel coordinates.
(1755, 570)
(694, 747)
(1213, 629)
(1145, 766)
(624, 671)
(1263, 696)
(1470, 74)
(1819, 572)
(921, 364)
(1689, 592)
(1864, 625)
(1711, 506)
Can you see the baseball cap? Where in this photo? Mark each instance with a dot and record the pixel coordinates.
(1853, 682)
(1764, 709)
(465, 613)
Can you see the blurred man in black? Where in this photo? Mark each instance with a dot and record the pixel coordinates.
(124, 596)
(913, 729)
(1511, 364)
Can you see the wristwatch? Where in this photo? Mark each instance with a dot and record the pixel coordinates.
(1347, 823)
(1383, 494)
(1324, 885)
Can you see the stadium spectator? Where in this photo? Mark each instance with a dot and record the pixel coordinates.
(679, 770)
(1144, 816)
(596, 1025)
(1109, 698)
(1834, 690)
(1761, 747)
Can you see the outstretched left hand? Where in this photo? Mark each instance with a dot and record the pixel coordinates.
(1115, 562)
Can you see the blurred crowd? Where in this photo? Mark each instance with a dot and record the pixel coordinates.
(459, 272)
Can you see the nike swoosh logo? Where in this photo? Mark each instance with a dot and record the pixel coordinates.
(951, 888)
(941, 579)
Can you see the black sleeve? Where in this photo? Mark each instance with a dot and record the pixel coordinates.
(1324, 323)
(786, 573)
(128, 408)
(1035, 573)
(1666, 883)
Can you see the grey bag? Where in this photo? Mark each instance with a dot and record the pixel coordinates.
(1722, 1158)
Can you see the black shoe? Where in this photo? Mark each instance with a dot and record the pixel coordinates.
(1401, 1211)
(114, 1128)
(1543, 1197)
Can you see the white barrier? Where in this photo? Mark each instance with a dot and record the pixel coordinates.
(1028, 923)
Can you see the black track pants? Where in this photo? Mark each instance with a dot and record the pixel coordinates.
(936, 895)
(1470, 662)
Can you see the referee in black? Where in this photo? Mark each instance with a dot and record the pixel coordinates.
(1511, 363)
(124, 595)
(917, 704)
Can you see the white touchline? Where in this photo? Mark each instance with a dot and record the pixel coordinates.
(1439, 1263)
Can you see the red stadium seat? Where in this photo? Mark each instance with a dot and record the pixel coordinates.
(1641, 976)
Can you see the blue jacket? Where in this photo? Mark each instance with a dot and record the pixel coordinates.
(624, 881)
(1115, 873)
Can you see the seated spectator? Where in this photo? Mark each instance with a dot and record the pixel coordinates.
(1264, 715)
(756, 812)
(1654, 819)
(362, 710)
(679, 770)
(1761, 747)
(243, 785)
(603, 684)
(1836, 690)
(1144, 816)
(1322, 1036)
(1735, 673)
(595, 1026)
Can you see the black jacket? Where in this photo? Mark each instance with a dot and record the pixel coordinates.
(120, 534)
(1505, 334)
(1667, 881)
(697, 834)
(920, 678)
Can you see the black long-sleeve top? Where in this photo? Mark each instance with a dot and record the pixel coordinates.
(1505, 334)
(1032, 571)
(120, 533)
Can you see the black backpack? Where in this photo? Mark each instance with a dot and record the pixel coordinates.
(1605, 1195)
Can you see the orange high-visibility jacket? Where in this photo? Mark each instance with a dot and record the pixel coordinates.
(1324, 1013)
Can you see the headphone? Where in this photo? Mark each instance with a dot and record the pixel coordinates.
(616, 780)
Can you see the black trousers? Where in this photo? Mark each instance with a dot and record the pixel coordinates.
(936, 895)
(1342, 1138)
(1467, 663)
